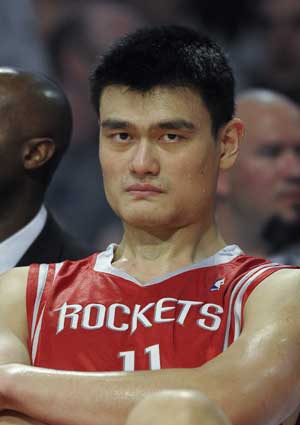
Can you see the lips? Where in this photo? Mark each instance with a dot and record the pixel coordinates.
(143, 187)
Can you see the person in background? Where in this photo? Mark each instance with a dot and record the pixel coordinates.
(21, 44)
(35, 131)
(259, 197)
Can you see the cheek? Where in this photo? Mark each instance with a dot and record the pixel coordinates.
(257, 173)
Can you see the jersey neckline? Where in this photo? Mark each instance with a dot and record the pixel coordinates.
(104, 264)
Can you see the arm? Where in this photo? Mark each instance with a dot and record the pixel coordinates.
(256, 381)
(13, 332)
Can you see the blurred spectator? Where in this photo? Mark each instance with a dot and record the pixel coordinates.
(35, 131)
(167, 12)
(259, 198)
(51, 13)
(21, 45)
(75, 46)
(269, 55)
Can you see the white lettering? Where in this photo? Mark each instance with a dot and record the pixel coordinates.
(100, 314)
(112, 315)
(73, 315)
(159, 309)
(216, 320)
(185, 310)
(138, 315)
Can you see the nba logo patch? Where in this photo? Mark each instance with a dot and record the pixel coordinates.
(217, 285)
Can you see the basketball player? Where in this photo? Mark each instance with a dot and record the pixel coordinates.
(171, 307)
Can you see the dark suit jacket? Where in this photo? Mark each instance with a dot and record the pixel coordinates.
(54, 245)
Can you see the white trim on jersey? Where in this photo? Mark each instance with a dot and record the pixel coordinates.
(36, 337)
(104, 260)
(36, 329)
(58, 266)
(43, 272)
(240, 288)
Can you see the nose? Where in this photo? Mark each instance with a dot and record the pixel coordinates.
(144, 160)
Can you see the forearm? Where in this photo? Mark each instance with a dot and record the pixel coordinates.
(243, 381)
(72, 398)
(14, 418)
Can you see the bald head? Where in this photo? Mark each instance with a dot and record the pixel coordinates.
(251, 104)
(263, 186)
(34, 107)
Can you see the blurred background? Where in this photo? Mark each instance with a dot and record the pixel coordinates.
(62, 38)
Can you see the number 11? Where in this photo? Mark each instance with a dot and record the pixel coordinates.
(129, 358)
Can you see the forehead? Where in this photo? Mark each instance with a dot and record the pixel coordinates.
(157, 104)
(269, 123)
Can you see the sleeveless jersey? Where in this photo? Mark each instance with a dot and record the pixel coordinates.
(89, 316)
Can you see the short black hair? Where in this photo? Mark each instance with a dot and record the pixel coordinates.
(171, 56)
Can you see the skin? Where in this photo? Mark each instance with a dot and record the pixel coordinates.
(176, 408)
(265, 181)
(178, 162)
(35, 127)
(265, 389)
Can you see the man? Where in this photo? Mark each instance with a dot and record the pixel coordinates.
(259, 198)
(171, 307)
(35, 131)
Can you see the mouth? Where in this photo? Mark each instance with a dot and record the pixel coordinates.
(142, 190)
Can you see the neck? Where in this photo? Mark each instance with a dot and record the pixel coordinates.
(146, 251)
(16, 212)
(243, 232)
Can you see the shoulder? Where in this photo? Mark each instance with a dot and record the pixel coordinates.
(13, 288)
(284, 280)
(277, 297)
(13, 282)
(13, 299)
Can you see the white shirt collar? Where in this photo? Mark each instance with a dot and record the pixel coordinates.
(13, 248)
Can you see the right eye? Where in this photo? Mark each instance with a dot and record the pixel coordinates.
(121, 137)
(271, 151)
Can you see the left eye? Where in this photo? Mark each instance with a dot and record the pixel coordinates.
(121, 137)
(171, 137)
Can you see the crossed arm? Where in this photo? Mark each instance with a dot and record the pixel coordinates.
(256, 381)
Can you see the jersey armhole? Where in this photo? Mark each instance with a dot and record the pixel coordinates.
(40, 278)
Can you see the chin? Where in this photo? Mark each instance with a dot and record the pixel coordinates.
(148, 220)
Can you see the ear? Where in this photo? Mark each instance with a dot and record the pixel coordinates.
(230, 138)
(37, 152)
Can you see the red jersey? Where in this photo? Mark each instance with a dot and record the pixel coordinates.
(89, 316)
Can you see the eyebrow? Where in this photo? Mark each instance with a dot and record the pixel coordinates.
(111, 123)
(177, 124)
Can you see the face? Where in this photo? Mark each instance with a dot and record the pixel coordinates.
(11, 165)
(265, 180)
(158, 156)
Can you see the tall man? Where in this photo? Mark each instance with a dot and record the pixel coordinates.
(35, 131)
(259, 198)
(171, 307)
